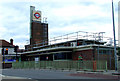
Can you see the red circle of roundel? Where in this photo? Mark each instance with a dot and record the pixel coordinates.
(37, 15)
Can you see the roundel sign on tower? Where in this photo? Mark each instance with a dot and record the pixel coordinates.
(37, 15)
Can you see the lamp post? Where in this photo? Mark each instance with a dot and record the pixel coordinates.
(115, 54)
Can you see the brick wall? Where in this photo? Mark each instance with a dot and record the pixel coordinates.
(38, 32)
(86, 54)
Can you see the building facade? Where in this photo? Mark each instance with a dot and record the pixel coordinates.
(73, 50)
(7, 51)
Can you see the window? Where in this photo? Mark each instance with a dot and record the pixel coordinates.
(105, 52)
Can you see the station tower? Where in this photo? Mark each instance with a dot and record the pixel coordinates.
(38, 29)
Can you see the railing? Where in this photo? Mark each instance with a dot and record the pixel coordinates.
(69, 65)
(71, 36)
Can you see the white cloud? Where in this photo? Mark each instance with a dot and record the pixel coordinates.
(63, 17)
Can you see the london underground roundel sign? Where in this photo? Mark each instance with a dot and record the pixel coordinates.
(37, 15)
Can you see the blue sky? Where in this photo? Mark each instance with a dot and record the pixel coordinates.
(63, 16)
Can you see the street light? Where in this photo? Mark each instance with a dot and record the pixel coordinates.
(115, 54)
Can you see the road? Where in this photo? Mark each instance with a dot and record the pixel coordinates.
(35, 74)
(41, 74)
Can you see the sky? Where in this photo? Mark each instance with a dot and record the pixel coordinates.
(63, 17)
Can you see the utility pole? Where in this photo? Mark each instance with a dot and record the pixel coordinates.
(115, 54)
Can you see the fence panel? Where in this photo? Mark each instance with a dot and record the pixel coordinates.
(31, 64)
(76, 65)
(119, 66)
(26, 65)
(87, 65)
(101, 65)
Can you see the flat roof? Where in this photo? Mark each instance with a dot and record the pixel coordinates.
(67, 48)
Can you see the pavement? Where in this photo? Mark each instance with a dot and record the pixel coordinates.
(110, 74)
(10, 77)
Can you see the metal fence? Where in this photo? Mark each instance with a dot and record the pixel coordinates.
(68, 65)
(118, 66)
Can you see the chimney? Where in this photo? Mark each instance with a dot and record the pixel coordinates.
(11, 41)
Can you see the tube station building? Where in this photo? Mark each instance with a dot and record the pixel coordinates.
(74, 46)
